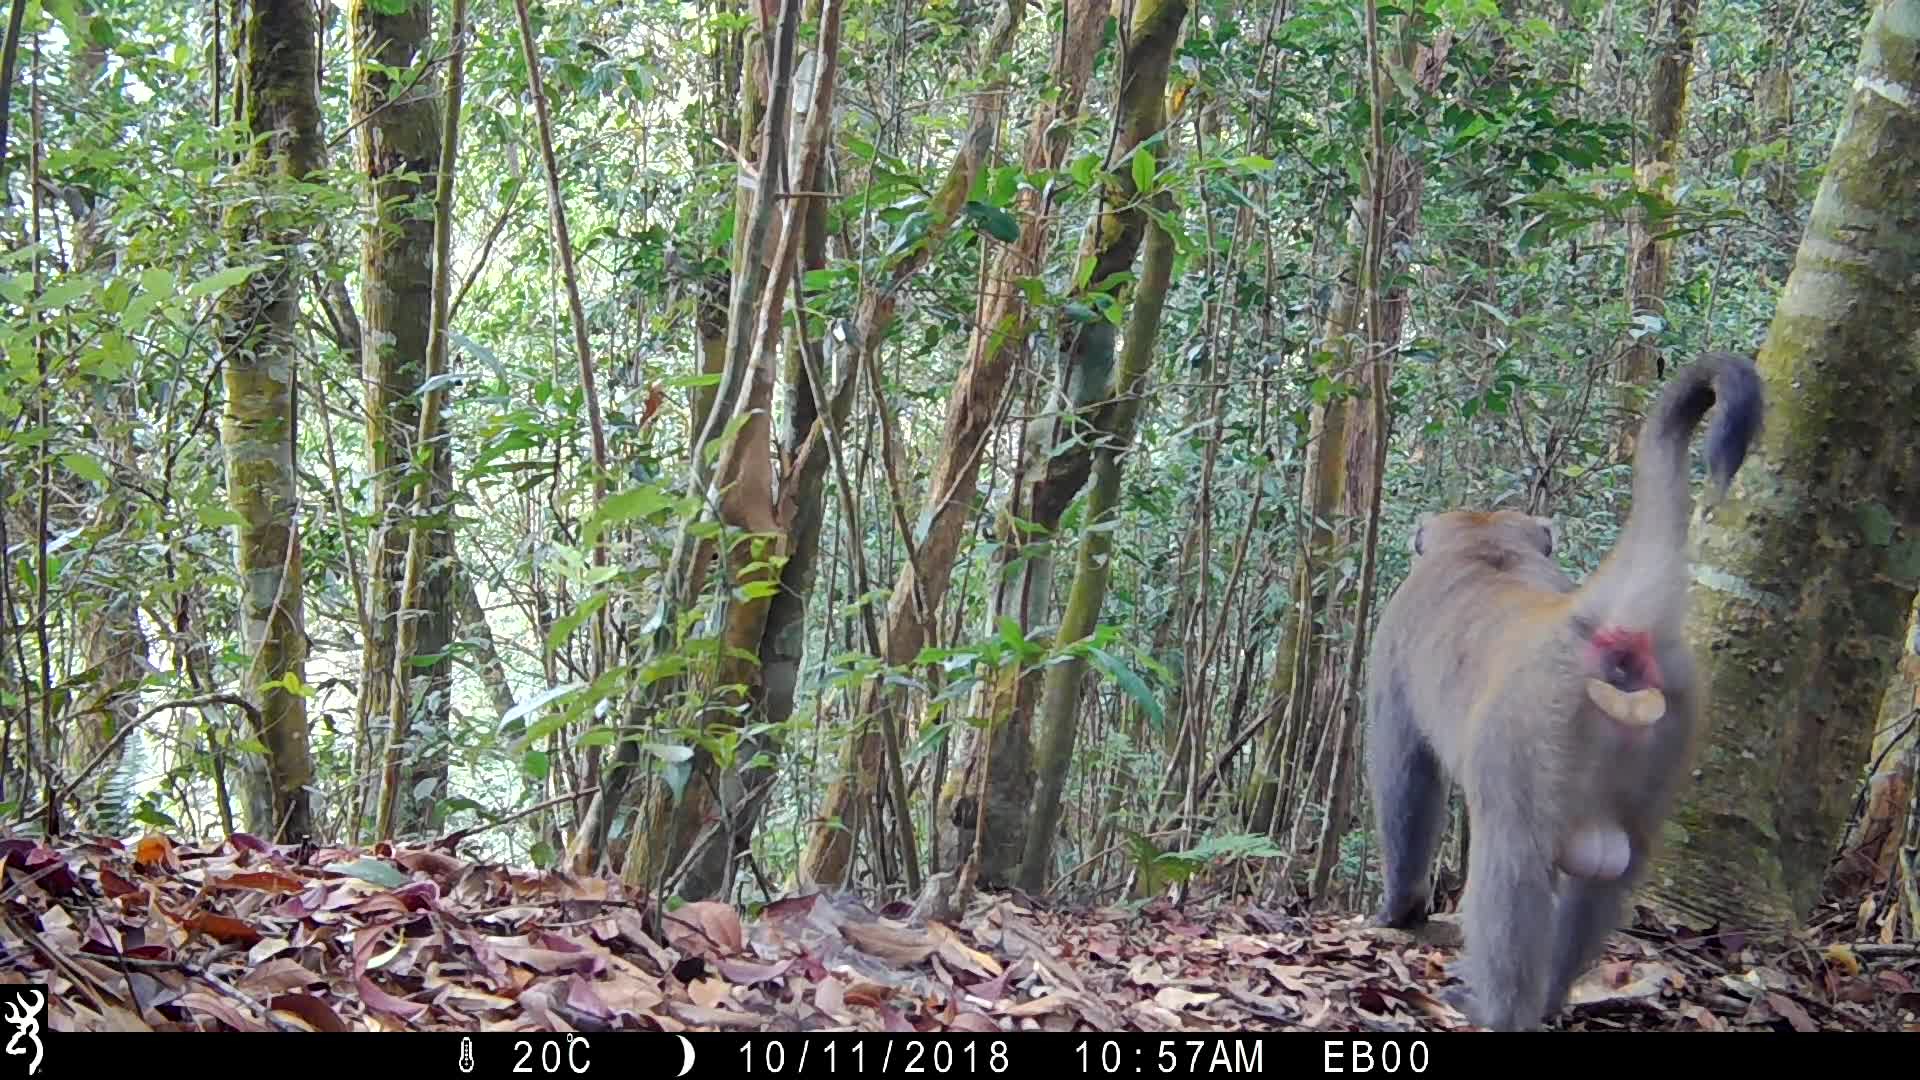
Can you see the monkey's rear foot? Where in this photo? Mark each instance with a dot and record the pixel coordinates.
(1410, 915)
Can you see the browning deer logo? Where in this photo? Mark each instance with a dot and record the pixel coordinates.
(23, 1012)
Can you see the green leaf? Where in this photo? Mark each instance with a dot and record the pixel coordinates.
(442, 381)
(290, 682)
(671, 753)
(222, 281)
(535, 764)
(1132, 683)
(1006, 185)
(390, 7)
(1143, 170)
(514, 720)
(565, 625)
(148, 815)
(85, 466)
(375, 871)
(65, 293)
(635, 502)
(218, 517)
(994, 221)
(1082, 169)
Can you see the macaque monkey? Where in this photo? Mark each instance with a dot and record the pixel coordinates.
(1566, 712)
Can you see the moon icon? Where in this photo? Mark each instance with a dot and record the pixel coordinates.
(686, 1048)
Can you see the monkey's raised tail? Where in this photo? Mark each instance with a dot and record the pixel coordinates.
(1645, 576)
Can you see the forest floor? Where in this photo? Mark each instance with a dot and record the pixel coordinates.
(241, 936)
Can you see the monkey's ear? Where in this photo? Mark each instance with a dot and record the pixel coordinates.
(1417, 541)
(1549, 535)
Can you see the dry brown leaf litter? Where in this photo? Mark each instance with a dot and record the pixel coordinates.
(249, 937)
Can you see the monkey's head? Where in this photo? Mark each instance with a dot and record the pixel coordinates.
(1507, 530)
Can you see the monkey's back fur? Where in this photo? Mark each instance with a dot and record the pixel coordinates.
(1478, 673)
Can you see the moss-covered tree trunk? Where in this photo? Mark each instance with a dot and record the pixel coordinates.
(1648, 256)
(973, 409)
(1870, 855)
(1056, 458)
(1806, 575)
(397, 112)
(1112, 433)
(279, 76)
(1773, 97)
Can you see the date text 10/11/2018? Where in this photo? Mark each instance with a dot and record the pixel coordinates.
(1223, 1055)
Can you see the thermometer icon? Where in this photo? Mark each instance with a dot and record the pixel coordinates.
(466, 1054)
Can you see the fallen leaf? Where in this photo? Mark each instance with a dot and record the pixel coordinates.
(549, 961)
(1039, 1006)
(746, 973)
(265, 880)
(1703, 1018)
(316, 1013)
(959, 954)
(830, 997)
(276, 976)
(1791, 1010)
(220, 1009)
(629, 996)
(377, 998)
(705, 928)
(1174, 997)
(224, 929)
(709, 992)
(115, 886)
(433, 863)
(1841, 955)
(968, 1020)
(894, 944)
(374, 871)
(154, 850)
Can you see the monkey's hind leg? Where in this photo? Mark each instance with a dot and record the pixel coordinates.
(1509, 910)
(1410, 802)
(1589, 910)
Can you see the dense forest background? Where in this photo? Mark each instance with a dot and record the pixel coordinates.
(748, 446)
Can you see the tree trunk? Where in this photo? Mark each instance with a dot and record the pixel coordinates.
(1056, 460)
(1773, 94)
(1648, 257)
(973, 410)
(279, 74)
(1396, 217)
(1113, 428)
(1873, 845)
(396, 107)
(1806, 576)
(709, 822)
(1325, 478)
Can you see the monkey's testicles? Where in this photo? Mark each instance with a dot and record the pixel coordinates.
(1637, 708)
(1596, 851)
